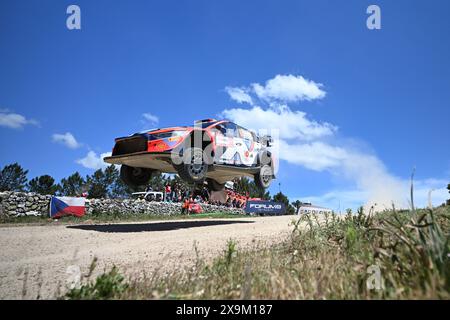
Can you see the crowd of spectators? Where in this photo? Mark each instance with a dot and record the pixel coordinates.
(181, 193)
(233, 200)
(176, 193)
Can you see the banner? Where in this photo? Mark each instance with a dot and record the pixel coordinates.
(270, 208)
(195, 208)
(62, 206)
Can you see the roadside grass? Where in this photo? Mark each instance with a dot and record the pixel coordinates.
(388, 255)
(110, 217)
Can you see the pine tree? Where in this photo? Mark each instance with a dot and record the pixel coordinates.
(43, 185)
(98, 188)
(116, 188)
(73, 186)
(280, 197)
(13, 178)
(297, 204)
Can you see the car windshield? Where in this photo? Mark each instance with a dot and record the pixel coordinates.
(167, 134)
(205, 124)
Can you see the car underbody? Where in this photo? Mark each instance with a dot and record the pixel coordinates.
(162, 162)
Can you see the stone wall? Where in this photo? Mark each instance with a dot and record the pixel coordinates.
(18, 204)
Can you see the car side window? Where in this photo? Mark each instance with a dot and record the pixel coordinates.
(220, 128)
(245, 134)
(231, 130)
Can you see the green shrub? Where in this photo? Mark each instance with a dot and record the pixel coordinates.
(325, 257)
(107, 286)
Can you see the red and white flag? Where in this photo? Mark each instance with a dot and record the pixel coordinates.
(62, 206)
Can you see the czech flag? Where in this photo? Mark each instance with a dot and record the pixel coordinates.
(62, 206)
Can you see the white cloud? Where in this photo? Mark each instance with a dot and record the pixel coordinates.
(339, 200)
(66, 139)
(280, 89)
(93, 161)
(150, 119)
(289, 88)
(239, 95)
(291, 124)
(317, 155)
(438, 188)
(14, 120)
(312, 144)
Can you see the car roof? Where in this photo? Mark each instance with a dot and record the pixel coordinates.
(206, 123)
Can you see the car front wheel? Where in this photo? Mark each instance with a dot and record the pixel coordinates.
(194, 168)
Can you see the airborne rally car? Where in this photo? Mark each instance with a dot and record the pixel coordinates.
(213, 151)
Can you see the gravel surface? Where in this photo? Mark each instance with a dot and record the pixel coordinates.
(36, 261)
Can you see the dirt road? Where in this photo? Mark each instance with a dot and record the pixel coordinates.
(36, 261)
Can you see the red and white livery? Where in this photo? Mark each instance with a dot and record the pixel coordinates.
(215, 151)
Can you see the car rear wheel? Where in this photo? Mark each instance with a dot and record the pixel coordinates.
(194, 168)
(135, 177)
(264, 177)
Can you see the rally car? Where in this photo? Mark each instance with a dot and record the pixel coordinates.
(211, 151)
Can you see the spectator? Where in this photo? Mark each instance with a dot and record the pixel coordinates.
(167, 192)
(185, 206)
(173, 193)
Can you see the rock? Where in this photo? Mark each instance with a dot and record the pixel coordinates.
(32, 213)
(18, 204)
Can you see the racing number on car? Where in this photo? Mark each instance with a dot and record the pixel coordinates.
(237, 151)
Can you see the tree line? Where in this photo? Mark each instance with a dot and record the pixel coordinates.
(103, 183)
(106, 183)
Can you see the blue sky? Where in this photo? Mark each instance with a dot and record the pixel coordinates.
(386, 91)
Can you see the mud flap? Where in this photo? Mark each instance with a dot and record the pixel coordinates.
(220, 196)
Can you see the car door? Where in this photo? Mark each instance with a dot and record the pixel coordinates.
(227, 142)
(249, 148)
(222, 142)
(238, 149)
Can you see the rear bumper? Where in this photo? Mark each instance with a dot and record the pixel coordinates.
(130, 145)
(153, 160)
(120, 159)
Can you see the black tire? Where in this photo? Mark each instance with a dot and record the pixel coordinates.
(213, 185)
(264, 177)
(135, 177)
(265, 158)
(193, 169)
